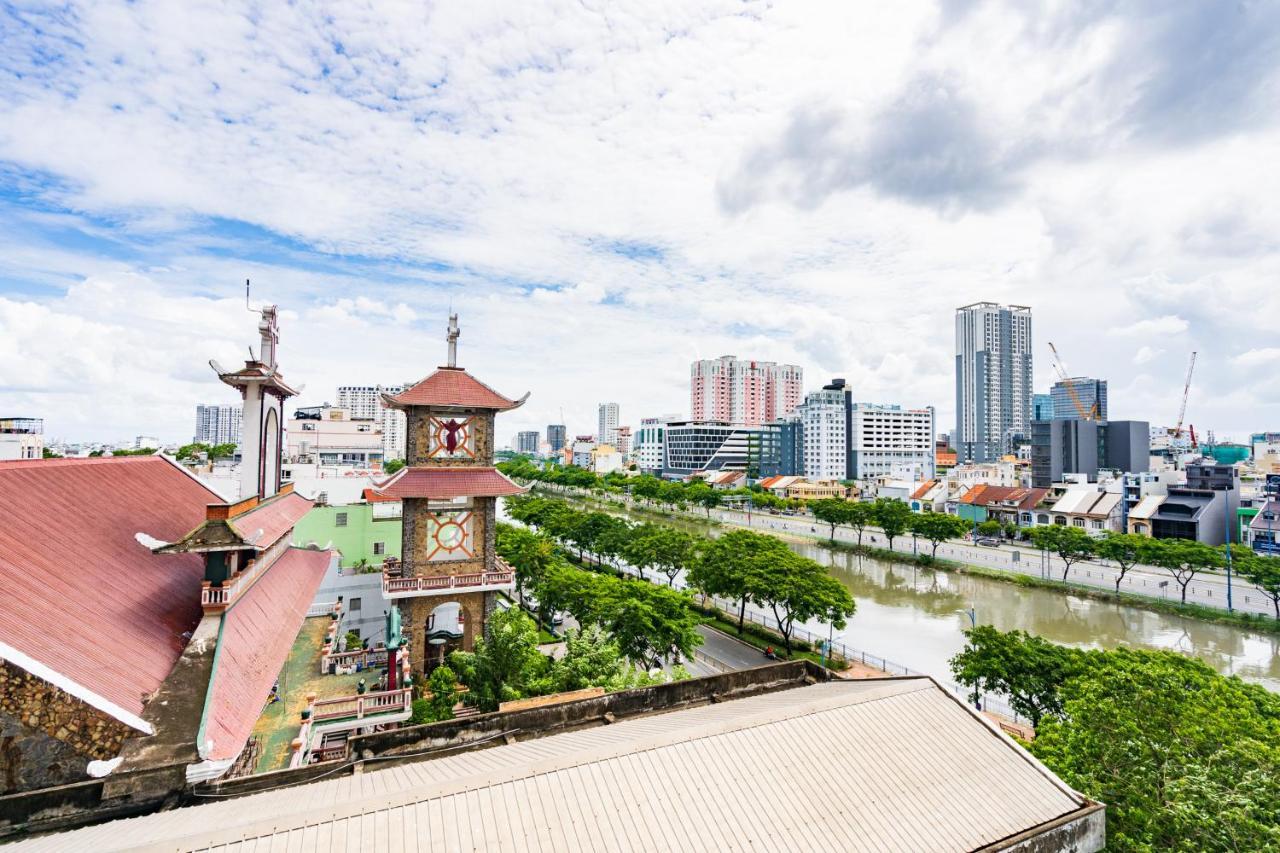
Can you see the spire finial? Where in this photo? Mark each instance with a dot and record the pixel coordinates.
(454, 332)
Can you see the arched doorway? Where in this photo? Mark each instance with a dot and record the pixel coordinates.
(443, 634)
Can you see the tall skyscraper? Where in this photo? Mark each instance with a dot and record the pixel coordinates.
(607, 433)
(1091, 394)
(364, 402)
(527, 441)
(556, 436)
(218, 424)
(741, 392)
(1042, 407)
(826, 417)
(993, 379)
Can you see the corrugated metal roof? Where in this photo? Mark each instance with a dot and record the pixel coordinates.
(448, 483)
(873, 765)
(78, 593)
(268, 521)
(257, 633)
(454, 387)
(1147, 507)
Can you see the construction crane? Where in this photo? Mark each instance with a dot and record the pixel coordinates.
(1186, 390)
(1058, 367)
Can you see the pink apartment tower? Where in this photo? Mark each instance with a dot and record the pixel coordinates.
(742, 392)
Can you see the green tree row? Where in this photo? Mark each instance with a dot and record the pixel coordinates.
(1184, 758)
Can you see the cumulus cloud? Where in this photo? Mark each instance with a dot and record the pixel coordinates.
(1269, 356)
(1154, 326)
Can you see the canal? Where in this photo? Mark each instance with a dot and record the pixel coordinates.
(916, 617)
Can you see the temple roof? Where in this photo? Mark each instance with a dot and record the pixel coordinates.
(453, 387)
(444, 483)
(256, 525)
(84, 606)
(255, 372)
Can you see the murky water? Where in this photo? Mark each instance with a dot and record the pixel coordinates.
(915, 617)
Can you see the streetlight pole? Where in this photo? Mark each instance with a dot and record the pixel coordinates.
(972, 613)
(1226, 519)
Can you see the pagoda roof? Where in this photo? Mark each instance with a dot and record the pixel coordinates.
(452, 387)
(441, 483)
(255, 372)
(248, 524)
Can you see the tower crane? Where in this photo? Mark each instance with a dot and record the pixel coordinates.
(1085, 414)
(1186, 390)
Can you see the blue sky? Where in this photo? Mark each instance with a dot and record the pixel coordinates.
(606, 194)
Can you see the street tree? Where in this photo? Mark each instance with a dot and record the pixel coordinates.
(892, 517)
(832, 511)
(704, 496)
(1070, 544)
(727, 566)
(860, 516)
(1260, 570)
(1126, 550)
(648, 622)
(990, 527)
(937, 527)
(797, 589)
(1028, 669)
(1184, 559)
(506, 657)
(530, 555)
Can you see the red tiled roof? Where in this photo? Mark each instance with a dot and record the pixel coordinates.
(924, 489)
(453, 386)
(373, 497)
(78, 594)
(257, 633)
(768, 482)
(984, 494)
(448, 483)
(274, 518)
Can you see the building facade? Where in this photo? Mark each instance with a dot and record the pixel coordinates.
(650, 444)
(607, 423)
(693, 446)
(826, 418)
(1203, 508)
(364, 402)
(889, 441)
(527, 442)
(21, 438)
(556, 434)
(329, 436)
(217, 423)
(1073, 446)
(993, 379)
(1091, 394)
(743, 392)
(1042, 407)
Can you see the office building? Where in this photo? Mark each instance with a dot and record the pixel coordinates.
(650, 443)
(217, 423)
(890, 441)
(327, 435)
(782, 447)
(826, 416)
(1089, 400)
(743, 392)
(1072, 446)
(21, 438)
(527, 442)
(1203, 509)
(693, 446)
(365, 403)
(607, 423)
(581, 450)
(993, 379)
(624, 442)
(556, 437)
(1042, 407)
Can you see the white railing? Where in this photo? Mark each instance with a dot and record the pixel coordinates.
(385, 703)
(221, 597)
(364, 657)
(392, 586)
(320, 609)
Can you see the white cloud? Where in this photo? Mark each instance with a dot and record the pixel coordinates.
(1155, 326)
(1269, 356)
(1146, 354)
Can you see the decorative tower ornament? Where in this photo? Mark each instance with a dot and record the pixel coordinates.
(449, 572)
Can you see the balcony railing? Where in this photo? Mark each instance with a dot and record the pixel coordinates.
(365, 658)
(218, 598)
(403, 587)
(387, 703)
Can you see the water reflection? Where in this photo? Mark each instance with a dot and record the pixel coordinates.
(914, 616)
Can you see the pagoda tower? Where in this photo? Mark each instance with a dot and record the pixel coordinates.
(449, 575)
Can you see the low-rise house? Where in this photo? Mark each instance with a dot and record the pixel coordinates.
(1094, 511)
(725, 480)
(805, 490)
(1264, 529)
(1139, 520)
(1005, 504)
(777, 486)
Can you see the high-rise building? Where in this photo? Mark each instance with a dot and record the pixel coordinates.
(1090, 394)
(217, 423)
(527, 441)
(743, 392)
(993, 379)
(650, 443)
(365, 403)
(1074, 446)
(890, 441)
(623, 441)
(826, 417)
(693, 446)
(607, 429)
(555, 437)
(1042, 407)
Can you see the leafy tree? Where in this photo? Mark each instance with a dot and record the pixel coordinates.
(1126, 550)
(222, 451)
(1027, 669)
(832, 511)
(892, 516)
(937, 527)
(646, 488)
(1261, 571)
(93, 454)
(1184, 758)
(392, 466)
(796, 588)
(443, 685)
(1071, 544)
(191, 451)
(704, 496)
(666, 549)
(46, 453)
(990, 527)
(728, 565)
(859, 516)
(591, 659)
(505, 659)
(528, 553)
(1183, 559)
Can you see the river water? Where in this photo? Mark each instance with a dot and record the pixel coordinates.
(915, 616)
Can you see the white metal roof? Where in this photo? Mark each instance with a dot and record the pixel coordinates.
(874, 765)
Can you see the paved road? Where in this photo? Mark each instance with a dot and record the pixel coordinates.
(727, 653)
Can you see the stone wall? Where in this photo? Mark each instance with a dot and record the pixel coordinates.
(415, 544)
(416, 610)
(418, 438)
(47, 736)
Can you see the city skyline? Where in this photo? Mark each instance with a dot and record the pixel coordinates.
(689, 212)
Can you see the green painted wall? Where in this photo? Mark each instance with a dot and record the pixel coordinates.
(969, 512)
(356, 538)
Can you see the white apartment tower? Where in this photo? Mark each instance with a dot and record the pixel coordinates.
(993, 379)
(218, 424)
(364, 402)
(608, 426)
(824, 417)
(890, 441)
(743, 392)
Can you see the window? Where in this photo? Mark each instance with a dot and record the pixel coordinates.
(340, 519)
(355, 605)
(379, 548)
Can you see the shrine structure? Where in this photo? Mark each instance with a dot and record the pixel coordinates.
(449, 574)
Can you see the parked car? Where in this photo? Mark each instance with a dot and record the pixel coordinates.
(989, 542)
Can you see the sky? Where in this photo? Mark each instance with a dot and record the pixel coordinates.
(605, 192)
